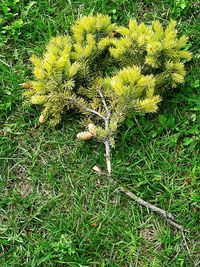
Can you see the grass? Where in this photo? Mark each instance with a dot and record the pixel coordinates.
(54, 211)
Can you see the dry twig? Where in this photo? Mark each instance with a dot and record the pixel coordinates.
(167, 215)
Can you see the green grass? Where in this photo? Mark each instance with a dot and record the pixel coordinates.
(54, 211)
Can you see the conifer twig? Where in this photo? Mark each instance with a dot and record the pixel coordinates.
(107, 139)
(167, 215)
(103, 100)
(73, 100)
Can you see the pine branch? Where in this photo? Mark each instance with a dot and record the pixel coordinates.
(150, 59)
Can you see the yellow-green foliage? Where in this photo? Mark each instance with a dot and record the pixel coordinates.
(55, 78)
(133, 91)
(130, 66)
(88, 33)
(153, 47)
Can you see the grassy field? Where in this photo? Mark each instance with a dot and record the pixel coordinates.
(54, 211)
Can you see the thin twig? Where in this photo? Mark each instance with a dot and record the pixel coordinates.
(176, 225)
(103, 100)
(73, 100)
(107, 139)
(145, 203)
(167, 215)
(108, 159)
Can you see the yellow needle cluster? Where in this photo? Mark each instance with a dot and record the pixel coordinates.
(126, 67)
(134, 90)
(153, 47)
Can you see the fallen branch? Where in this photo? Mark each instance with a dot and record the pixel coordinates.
(167, 215)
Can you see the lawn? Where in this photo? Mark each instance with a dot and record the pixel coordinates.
(54, 210)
